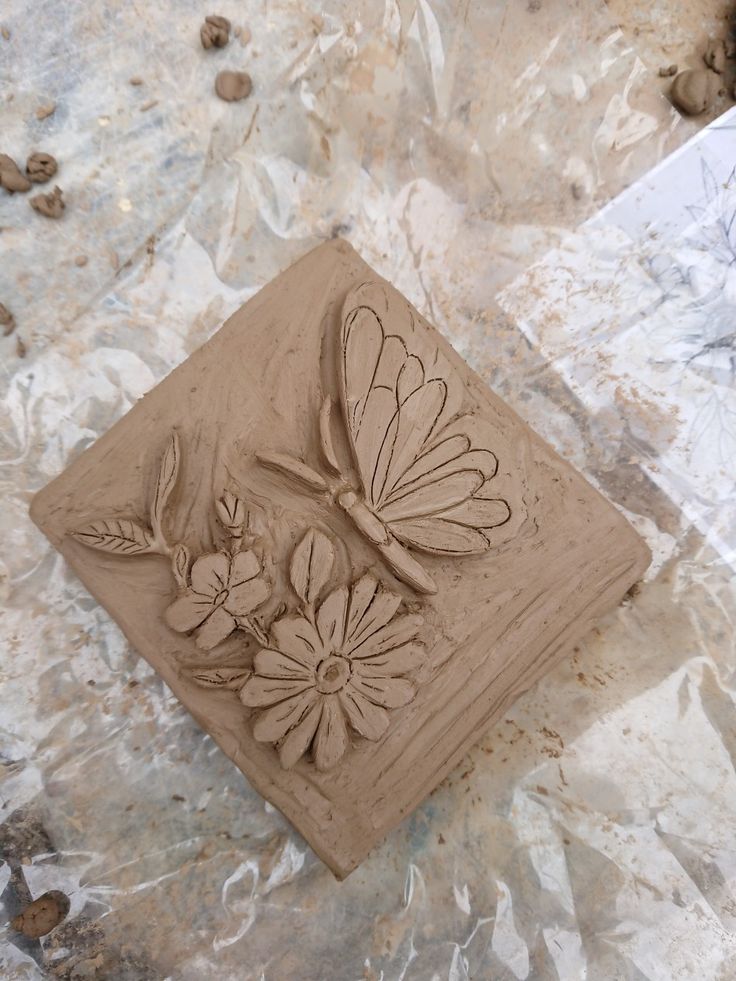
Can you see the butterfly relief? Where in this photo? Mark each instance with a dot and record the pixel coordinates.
(425, 477)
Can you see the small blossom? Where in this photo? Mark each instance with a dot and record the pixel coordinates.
(223, 588)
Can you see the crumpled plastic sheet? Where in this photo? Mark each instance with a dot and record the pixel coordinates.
(590, 833)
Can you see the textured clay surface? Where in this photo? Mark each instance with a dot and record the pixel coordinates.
(343, 553)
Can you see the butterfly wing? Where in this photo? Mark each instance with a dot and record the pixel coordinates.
(422, 474)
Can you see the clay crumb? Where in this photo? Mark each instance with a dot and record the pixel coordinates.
(41, 167)
(245, 36)
(5, 33)
(43, 112)
(149, 105)
(81, 260)
(11, 177)
(7, 320)
(50, 205)
(577, 190)
(668, 72)
(440, 839)
(178, 797)
(215, 32)
(691, 91)
(233, 86)
(20, 347)
(715, 56)
(42, 915)
(136, 80)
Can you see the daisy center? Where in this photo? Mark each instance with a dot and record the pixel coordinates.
(221, 597)
(332, 674)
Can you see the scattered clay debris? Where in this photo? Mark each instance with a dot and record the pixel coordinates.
(5, 33)
(11, 177)
(149, 105)
(715, 56)
(692, 92)
(7, 320)
(20, 347)
(136, 80)
(42, 915)
(43, 112)
(668, 72)
(233, 86)
(81, 260)
(51, 205)
(41, 167)
(215, 32)
(245, 36)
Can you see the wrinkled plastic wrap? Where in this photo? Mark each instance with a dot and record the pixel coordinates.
(590, 834)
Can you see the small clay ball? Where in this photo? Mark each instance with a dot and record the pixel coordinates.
(51, 205)
(215, 32)
(41, 167)
(10, 176)
(7, 320)
(715, 56)
(43, 914)
(233, 86)
(691, 91)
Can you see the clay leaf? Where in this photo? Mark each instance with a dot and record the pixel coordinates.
(231, 679)
(180, 565)
(294, 468)
(167, 475)
(311, 565)
(121, 536)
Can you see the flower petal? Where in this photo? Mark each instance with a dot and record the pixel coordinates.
(296, 636)
(297, 741)
(331, 740)
(258, 692)
(331, 619)
(381, 610)
(361, 595)
(247, 596)
(366, 718)
(276, 664)
(394, 634)
(388, 692)
(188, 611)
(244, 566)
(210, 573)
(390, 664)
(215, 629)
(275, 722)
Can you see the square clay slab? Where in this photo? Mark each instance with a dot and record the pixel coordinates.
(327, 481)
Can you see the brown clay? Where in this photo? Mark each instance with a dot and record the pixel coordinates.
(7, 320)
(692, 92)
(341, 551)
(215, 32)
(42, 915)
(715, 56)
(233, 86)
(43, 112)
(51, 205)
(41, 167)
(11, 177)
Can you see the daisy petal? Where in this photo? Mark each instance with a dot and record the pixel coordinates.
(296, 636)
(187, 612)
(394, 634)
(377, 615)
(245, 566)
(275, 722)
(247, 596)
(361, 595)
(258, 692)
(297, 741)
(390, 664)
(276, 664)
(215, 629)
(388, 692)
(210, 573)
(331, 619)
(331, 740)
(366, 718)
